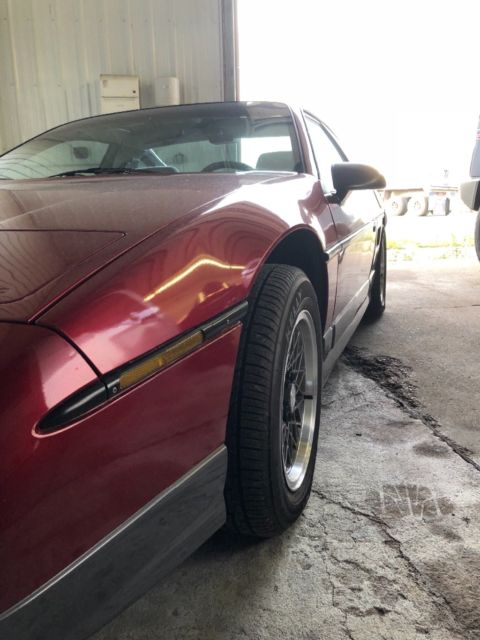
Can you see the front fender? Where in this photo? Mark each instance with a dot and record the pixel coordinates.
(182, 277)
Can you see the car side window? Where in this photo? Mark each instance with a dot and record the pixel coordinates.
(325, 152)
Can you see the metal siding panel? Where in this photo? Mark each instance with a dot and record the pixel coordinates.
(185, 35)
(9, 121)
(97, 52)
(22, 41)
(50, 80)
(164, 37)
(97, 55)
(118, 35)
(199, 57)
(52, 53)
(143, 49)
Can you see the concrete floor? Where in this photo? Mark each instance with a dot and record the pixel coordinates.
(432, 325)
(389, 545)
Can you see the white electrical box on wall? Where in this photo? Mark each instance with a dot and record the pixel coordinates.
(119, 93)
(166, 91)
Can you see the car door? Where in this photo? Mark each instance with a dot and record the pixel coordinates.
(356, 221)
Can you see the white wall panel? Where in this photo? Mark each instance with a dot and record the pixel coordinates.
(52, 53)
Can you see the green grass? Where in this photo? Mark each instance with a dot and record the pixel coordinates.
(452, 242)
(430, 237)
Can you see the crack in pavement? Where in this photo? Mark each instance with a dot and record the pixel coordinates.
(393, 376)
(417, 576)
(332, 584)
(347, 570)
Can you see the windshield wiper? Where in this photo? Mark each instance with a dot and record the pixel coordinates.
(80, 172)
(167, 171)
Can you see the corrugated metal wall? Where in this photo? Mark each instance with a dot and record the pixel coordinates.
(53, 51)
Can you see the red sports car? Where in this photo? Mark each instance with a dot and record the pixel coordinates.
(176, 284)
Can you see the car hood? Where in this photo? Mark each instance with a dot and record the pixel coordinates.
(56, 233)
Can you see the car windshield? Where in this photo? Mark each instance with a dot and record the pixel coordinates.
(217, 137)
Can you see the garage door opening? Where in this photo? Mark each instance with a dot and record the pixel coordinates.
(395, 83)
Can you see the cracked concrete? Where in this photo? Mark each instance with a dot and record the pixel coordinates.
(431, 325)
(389, 545)
(393, 376)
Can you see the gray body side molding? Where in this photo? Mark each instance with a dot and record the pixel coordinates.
(123, 566)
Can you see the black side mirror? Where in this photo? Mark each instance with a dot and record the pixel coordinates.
(470, 192)
(349, 176)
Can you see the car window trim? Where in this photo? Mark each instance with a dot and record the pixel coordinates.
(307, 115)
(297, 146)
(329, 133)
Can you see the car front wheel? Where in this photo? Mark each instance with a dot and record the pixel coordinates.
(477, 235)
(275, 410)
(378, 291)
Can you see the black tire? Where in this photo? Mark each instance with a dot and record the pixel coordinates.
(378, 291)
(395, 206)
(259, 500)
(448, 208)
(418, 205)
(477, 235)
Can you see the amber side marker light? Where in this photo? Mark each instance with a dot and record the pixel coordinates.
(156, 363)
(114, 383)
